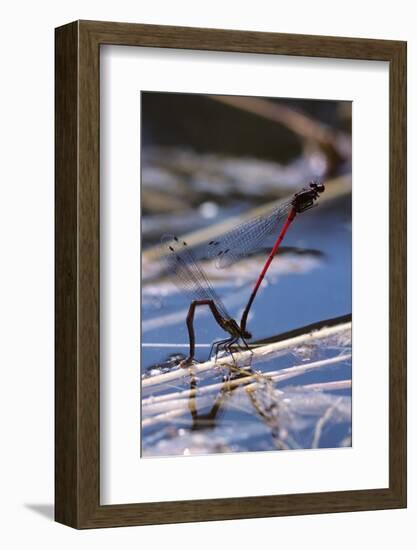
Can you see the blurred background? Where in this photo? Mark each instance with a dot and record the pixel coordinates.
(233, 152)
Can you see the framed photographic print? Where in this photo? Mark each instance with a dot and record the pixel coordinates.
(230, 274)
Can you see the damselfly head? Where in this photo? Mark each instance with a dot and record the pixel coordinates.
(316, 186)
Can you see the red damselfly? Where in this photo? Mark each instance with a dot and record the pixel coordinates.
(229, 248)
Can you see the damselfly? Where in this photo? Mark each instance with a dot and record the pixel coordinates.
(229, 248)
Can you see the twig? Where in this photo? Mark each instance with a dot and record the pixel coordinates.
(329, 386)
(162, 417)
(149, 408)
(250, 379)
(322, 421)
(245, 355)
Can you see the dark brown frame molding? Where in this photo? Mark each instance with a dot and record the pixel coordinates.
(77, 371)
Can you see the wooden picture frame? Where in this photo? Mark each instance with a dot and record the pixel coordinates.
(77, 406)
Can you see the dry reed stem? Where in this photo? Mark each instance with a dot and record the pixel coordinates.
(261, 351)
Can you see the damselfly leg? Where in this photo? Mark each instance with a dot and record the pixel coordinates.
(190, 326)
